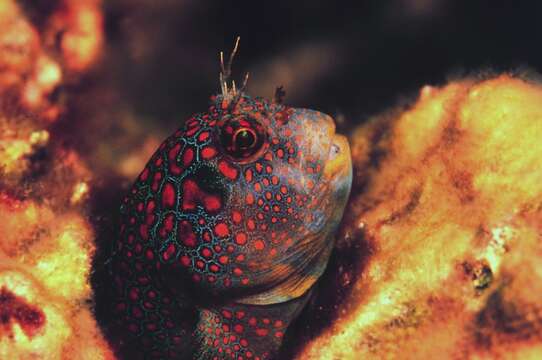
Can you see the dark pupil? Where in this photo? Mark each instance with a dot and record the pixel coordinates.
(244, 139)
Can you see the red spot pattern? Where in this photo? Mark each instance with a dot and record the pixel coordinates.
(185, 260)
(167, 226)
(248, 175)
(208, 152)
(187, 234)
(193, 195)
(236, 217)
(156, 181)
(173, 154)
(240, 238)
(144, 175)
(203, 136)
(231, 332)
(228, 170)
(168, 195)
(169, 252)
(259, 244)
(177, 220)
(221, 230)
(188, 156)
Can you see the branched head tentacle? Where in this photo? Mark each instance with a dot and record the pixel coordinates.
(230, 92)
(280, 93)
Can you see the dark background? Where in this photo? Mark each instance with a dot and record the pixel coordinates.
(350, 59)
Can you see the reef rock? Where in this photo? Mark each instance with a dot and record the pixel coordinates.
(448, 202)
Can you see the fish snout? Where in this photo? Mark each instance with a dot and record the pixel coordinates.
(339, 161)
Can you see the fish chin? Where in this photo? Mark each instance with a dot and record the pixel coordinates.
(307, 259)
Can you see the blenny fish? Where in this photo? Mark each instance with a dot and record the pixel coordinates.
(227, 228)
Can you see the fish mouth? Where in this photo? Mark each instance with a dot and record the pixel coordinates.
(339, 162)
(321, 142)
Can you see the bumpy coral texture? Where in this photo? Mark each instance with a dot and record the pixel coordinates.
(46, 239)
(448, 194)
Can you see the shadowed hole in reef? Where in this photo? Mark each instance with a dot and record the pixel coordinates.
(105, 218)
(503, 320)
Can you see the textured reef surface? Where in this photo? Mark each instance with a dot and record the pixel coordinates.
(447, 201)
(46, 236)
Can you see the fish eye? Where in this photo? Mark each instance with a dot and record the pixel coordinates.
(242, 138)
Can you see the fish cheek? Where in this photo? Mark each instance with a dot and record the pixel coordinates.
(210, 181)
(204, 187)
(204, 198)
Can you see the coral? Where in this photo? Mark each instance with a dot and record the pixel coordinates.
(47, 240)
(448, 201)
(45, 262)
